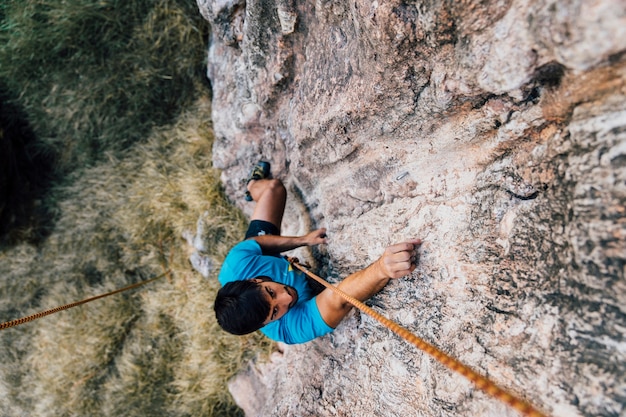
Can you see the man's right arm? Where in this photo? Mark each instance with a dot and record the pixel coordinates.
(278, 244)
(397, 261)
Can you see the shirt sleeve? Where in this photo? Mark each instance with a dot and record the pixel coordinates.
(301, 324)
(238, 260)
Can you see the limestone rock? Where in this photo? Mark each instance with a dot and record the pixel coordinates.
(496, 131)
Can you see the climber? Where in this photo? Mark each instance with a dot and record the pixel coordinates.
(262, 291)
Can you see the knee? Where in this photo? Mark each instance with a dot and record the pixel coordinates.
(270, 186)
(275, 183)
(276, 186)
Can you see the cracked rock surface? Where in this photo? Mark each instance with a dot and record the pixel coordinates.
(493, 130)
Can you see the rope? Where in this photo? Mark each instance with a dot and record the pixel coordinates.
(479, 381)
(35, 316)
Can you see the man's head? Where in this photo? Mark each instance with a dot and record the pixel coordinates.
(242, 307)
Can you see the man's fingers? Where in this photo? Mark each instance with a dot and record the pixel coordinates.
(403, 266)
(401, 270)
(403, 256)
(402, 263)
(400, 247)
(405, 246)
(400, 257)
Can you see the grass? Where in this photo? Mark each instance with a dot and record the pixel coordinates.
(114, 91)
(99, 75)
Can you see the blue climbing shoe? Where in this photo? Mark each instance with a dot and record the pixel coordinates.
(260, 171)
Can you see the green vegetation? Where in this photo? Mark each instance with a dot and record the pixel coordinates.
(114, 94)
(94, 75)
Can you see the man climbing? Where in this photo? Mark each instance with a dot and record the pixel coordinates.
(262, 291)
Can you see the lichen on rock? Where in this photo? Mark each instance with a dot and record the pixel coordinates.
(495, 131)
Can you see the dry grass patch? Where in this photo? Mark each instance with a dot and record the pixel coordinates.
(114, 90)
(155, 351)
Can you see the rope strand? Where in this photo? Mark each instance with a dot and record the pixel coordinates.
(479, 381)
(36, 316)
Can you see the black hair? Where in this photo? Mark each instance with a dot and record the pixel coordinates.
(240, 306)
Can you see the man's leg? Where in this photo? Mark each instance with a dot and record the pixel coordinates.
(270, 196)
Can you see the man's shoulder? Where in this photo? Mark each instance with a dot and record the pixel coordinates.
(236, 260)
(247, 259)
(301, 324)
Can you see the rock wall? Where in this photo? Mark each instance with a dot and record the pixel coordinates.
(494, 130)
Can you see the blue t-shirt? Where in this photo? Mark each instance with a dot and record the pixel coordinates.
(303, 321)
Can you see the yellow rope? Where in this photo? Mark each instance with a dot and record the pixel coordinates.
(479, 381)
(35, 316)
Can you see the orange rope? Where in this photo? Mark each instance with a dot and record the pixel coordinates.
(35, 316)
(479, 381)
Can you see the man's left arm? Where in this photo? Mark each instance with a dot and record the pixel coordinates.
(278, 244)
(397, 261)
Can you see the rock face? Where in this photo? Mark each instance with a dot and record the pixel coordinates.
(495, 131)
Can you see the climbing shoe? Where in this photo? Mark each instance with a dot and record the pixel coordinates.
(260, 171)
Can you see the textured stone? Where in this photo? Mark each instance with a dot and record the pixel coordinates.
(496, 131)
